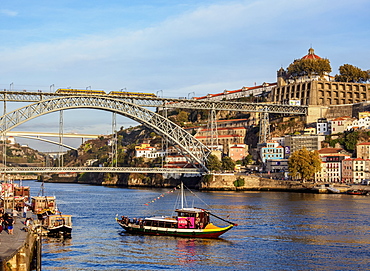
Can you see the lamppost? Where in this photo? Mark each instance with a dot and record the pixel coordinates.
(11, 85)
(191, 93)
(52, 86)
(161, 91)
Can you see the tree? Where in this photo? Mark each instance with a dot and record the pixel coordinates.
(183, 117)
(350, 73)
(247, 160)
(309, 67)
(227, 163)
(213, 163)
(304, 164)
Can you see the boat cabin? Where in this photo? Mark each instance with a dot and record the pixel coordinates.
(43, 203)
(192, 218)
(22, 191)
(58, 220)
(162, 222)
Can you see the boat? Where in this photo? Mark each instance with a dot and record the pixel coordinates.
(189, 222)
(58, 225)
(358, 192)
(51, 220)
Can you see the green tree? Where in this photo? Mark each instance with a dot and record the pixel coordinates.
(227, 163)
(247, 160)
(309, 67)
(213, 163)
(183, 117)
(304, 164)
(350, 73)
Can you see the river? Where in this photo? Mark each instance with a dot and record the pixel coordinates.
(276, 231)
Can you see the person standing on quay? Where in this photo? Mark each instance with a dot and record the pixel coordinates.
(10, 223)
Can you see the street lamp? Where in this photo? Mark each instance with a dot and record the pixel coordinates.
(191, 93)
(11, 85)
(51, 87)
(161, 91)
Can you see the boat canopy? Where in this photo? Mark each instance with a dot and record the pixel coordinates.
(190, 210)
(161, 218)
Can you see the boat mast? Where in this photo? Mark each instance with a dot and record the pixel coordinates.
(182, 195)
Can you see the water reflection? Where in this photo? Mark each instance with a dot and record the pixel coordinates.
(277, 231)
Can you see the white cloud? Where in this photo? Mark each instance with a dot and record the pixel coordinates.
(8, 12)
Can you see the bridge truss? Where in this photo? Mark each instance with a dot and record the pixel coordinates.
(14, 170)
(134, 108)
(190, 147)
(14, 96)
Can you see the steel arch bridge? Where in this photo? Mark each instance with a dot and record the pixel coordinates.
(190, 147)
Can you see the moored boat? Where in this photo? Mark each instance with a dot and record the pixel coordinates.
(58, 225)
(189, 222)
(52, 221)
(358, 192)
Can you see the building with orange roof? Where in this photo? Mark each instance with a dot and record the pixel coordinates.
(271, 150)
(331, 151)
(341, 124)
(362, 123)
(334, 166)
(239, 93)
(238, 151)
(148, 151)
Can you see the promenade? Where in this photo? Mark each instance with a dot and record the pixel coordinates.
(16, 248)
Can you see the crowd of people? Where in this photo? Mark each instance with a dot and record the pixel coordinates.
(6, 221)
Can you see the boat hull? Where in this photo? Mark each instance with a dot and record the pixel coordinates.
(59, 231)
(188, 233)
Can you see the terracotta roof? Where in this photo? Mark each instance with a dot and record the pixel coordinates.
(342, 118)
(226, 128)
(359, 159)
(330, 150)
(221, 136)
(364, 143)
(311, 55)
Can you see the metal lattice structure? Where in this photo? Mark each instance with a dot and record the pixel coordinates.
(190, 147)
(14, 96)
(13, 170)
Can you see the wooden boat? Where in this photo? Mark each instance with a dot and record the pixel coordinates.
(189, 222)
(52, 221)
(58, 225)
(358, 192)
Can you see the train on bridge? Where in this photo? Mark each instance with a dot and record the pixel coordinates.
(102, 92)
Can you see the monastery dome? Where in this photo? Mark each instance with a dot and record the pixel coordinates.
(311, 55)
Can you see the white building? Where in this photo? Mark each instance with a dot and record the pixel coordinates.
(149, 152)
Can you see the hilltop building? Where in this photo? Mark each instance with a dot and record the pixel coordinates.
(318, 92)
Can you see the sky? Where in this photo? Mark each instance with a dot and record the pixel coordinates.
(170, 48)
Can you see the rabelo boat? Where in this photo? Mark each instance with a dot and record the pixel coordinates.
(52, 221)
(189, 222)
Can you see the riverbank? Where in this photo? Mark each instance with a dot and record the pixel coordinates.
(218, 182)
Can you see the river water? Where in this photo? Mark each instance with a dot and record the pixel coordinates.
(276, 231)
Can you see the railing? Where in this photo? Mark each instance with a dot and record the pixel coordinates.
(17, 96)
(99, 169)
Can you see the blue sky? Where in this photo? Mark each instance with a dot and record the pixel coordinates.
(179, 47)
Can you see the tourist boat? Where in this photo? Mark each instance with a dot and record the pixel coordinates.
(52, 221)
(189, 222)
(358, 192)
(58, 225)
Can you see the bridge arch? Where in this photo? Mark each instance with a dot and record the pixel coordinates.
(190, 147)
